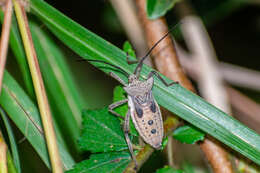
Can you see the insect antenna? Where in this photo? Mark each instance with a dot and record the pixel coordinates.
(141, 61)
(100, 61)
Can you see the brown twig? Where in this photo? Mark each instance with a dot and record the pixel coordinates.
(126, 13)
(167, 63)
(5, 38)
(128, 18)
(166, 60)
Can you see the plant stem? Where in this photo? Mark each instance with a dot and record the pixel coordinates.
(3, 152)
(5, 38)
(39, 87)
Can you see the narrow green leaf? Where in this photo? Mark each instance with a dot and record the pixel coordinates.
(25, 115)
(188, 134)
(10, 164)
(168, 169)
(158, 8)
(176, 99)
(114, 162)
(101, 132)
(120, 94)
(65, 100)
(127, 47)
(12, 141)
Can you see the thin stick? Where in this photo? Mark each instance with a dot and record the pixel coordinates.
(39, 87)
(3, 152)
(210, 80)
(5, 38)
(125, 10)
(210, 83)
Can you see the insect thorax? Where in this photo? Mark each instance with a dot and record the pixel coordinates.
(137, 87)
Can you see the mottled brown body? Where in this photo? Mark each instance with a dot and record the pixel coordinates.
(150, 125)
(144, 110)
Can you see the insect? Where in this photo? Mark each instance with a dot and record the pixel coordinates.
(143, 108)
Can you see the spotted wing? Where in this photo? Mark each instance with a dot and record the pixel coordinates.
(148, 122)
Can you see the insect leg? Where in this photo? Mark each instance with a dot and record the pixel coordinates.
(130, 61)
(116, 104)
(126, 131)
(117, 78)
(161, 79)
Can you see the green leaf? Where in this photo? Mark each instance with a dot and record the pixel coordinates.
(176, 99)
(114, 162)
(65, 100)
(101, 132)
(168, 169)
(25, 116)
(10, 164)
(127, 47)
(158, 8)
(164, 142)
(188, 134)
(187, 167)
(12, 141)
(120, 94)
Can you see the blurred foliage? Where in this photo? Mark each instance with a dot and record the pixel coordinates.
(158, 8)
(168, 169)
(188, 134)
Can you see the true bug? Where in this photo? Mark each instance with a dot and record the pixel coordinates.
(143, 108)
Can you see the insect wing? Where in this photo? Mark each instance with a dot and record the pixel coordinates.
(148, 122)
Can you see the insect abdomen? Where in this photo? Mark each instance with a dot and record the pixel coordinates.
(149, 125)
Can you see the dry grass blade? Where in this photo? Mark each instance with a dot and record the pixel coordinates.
(3, 154)
(39, 87)
(5, 38)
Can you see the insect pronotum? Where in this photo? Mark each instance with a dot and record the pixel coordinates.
(143, 108)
